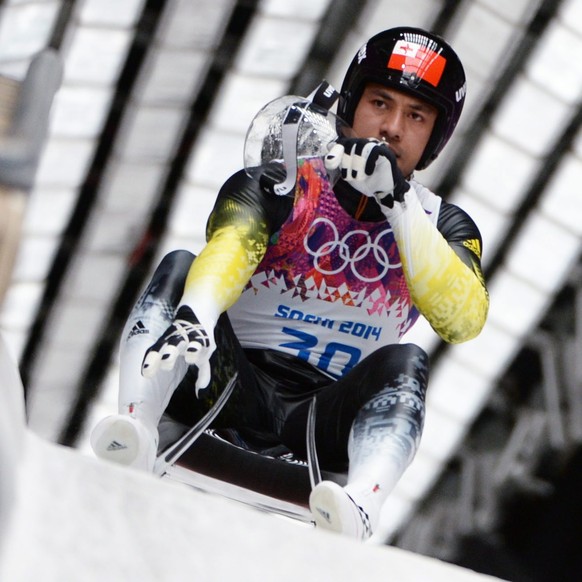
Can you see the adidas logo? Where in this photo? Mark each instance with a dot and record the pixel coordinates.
(116, 446)
(138, 329)
(324, 514)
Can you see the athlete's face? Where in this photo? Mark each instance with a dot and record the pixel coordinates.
(402, 120)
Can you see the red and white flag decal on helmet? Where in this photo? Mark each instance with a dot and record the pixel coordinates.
(418, 59)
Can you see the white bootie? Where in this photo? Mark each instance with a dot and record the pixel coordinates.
(125, 440)
(335, 510)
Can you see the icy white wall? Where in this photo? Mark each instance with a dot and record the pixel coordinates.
(77, 518)
(12, 434)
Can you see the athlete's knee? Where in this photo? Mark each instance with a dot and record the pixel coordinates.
(178, 260)
(404, 351)
(408, 359)
(169, 278)
(402, 391)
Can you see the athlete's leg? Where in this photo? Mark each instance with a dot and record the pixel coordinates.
(386, 434)
(340, 402)
(131, 437)
(380, 441)
(150, 317)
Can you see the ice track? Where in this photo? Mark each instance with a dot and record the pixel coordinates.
(67, 517)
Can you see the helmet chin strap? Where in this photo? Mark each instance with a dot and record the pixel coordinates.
(323, 97)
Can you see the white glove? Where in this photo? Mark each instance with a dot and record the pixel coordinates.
(185, 337)
(370, 167)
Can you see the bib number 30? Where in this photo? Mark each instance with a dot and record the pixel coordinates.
(341, 355)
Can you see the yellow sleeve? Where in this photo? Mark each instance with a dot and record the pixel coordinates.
(450, 294)
(237, 241)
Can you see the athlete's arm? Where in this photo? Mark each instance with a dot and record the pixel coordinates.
(442, 267)
(238, 231)
(242, 220)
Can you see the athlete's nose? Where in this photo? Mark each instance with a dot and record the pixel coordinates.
(391, 126)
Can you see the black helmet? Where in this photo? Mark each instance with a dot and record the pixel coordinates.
(415, 61)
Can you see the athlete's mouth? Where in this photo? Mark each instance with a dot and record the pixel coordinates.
(396, 154)
(384, 140)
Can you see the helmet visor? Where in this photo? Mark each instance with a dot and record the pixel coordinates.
(314, 129)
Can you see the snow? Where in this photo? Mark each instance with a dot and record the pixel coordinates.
(67, 516)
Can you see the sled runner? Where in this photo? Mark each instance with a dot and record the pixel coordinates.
(266, 477)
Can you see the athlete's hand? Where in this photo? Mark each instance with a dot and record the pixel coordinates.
(370, 166)
(186, 338)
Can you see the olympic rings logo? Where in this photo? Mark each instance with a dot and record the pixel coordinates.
(360, 255)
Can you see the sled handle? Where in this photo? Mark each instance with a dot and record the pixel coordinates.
(173, 453)
(312, 460)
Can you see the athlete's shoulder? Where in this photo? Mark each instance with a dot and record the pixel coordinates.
(456, 224)
(245, 191)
